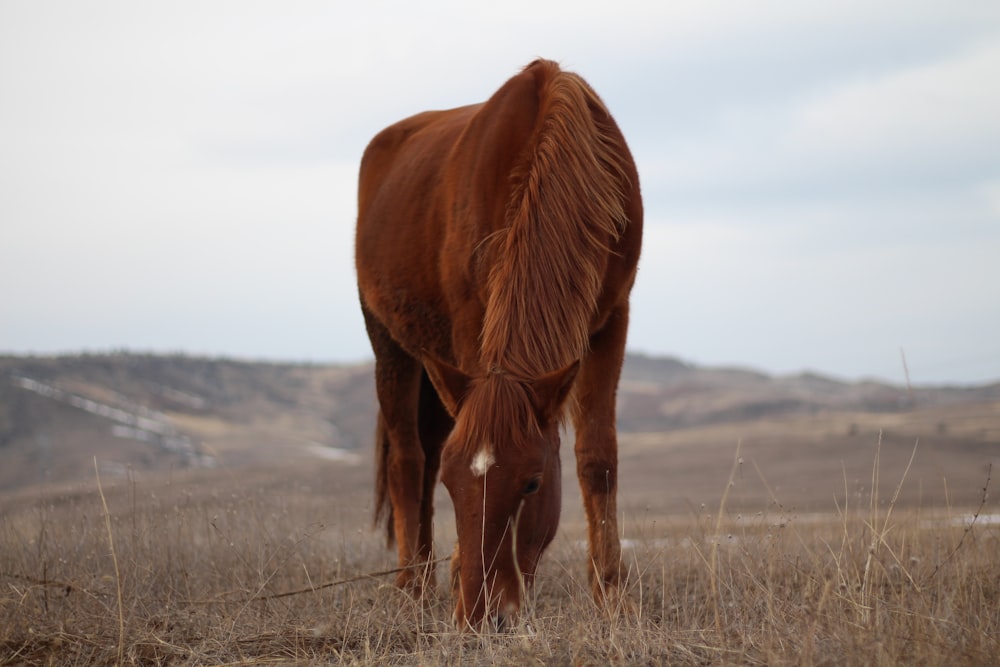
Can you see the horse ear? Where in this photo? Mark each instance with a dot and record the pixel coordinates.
(451, 383)
(552, 389)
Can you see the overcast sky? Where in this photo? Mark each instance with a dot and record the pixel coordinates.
(821, 180)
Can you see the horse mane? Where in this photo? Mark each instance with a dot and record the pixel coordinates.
(566, 211)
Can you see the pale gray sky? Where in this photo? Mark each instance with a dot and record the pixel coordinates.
(822, 180)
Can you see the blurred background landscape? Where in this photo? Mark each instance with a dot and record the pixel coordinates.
(804, 441)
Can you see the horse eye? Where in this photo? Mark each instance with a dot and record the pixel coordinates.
(532, 486)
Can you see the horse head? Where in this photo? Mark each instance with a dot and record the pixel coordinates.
(501, 467)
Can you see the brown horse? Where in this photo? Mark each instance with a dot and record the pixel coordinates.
(496, 248)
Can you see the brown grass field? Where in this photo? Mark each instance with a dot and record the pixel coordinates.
(278, 565)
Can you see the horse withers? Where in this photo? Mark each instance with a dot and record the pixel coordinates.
(496, 248)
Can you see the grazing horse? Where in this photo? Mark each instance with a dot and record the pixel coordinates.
(496, 248)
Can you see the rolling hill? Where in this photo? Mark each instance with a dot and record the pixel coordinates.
(808, 437)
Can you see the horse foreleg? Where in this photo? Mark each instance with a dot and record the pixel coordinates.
(397, 384)
(597, 453)
(434, 426)
(405, 480)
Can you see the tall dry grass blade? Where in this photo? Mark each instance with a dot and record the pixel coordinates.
(714, 556)
(522, 588)
(906, 374)
(114, 559)
(867, 575)
(879, 528)
(888, 514)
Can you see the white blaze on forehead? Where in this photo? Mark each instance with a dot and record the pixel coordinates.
(482, 461)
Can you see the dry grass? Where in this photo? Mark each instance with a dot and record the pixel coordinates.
(190, 573)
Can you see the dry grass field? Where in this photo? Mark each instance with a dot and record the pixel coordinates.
(764, 520)
(279, 566)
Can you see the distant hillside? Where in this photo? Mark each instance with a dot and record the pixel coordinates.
(658, 394)
(152, 412)
(158, 413)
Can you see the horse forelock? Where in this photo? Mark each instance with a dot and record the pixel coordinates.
(497, 413)
(565, 213)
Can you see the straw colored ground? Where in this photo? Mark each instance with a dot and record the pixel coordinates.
(189, 569)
